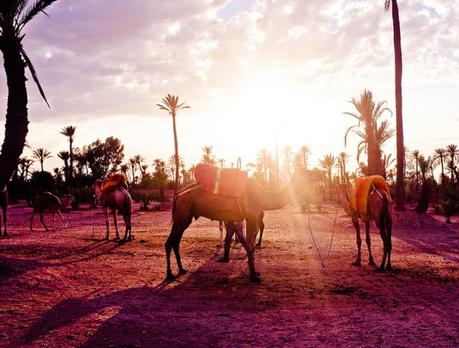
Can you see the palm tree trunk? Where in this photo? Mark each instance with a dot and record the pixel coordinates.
(400, 185)
(41, 165)
(70, 169)
(442, 171)
(16, 115)
(176, 155)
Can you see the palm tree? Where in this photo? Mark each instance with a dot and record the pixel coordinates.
(139, 159)
(14, 16)
(304, 153)
(327, 163)
(124, 168)
(400, 184)
(387, 161)
(342, 159)
(453, 152)
(440, 155)
(264, 159)
(65, 156)
(415, 154)
(221, 162)
(424, 166)
(287, 157)
(171, 105)
(208, 157)
(69, 132)
(373, 135)
(41, 154)
(133, 163)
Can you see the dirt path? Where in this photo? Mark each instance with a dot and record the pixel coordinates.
(69, 288)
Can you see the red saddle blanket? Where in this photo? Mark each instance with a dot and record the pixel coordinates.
(222, 181)
(112, 183)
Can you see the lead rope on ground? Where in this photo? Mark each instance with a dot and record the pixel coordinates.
(331, 239)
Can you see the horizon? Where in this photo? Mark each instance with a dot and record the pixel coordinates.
(255, 73)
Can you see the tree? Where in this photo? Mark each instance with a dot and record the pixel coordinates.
(171, 105)
(69, 132)
(208, 157)
(104, 157)
(14, 16)
(65, 156)
(304, 153)
(41, 154)
(387, 161)
(372, 135)
(400, 184)
(133, 163)
(453, 152)
(287, 160)
(415, 154)
(440, 155)
(172, 162)
(264, 160)
(342, 159)
(160, 176)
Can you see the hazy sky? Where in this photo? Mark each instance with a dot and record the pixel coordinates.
(255, 72)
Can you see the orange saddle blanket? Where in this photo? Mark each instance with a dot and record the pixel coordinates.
(362, 186)
(112, 183)
(222, 181)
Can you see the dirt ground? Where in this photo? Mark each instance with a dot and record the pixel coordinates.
(71, 288)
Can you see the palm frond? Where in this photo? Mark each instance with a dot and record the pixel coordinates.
(37, 7)
(34, 74)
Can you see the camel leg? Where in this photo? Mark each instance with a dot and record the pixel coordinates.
(249, 245)
(115, 222)
(355, 222)
(221, 228)
(43, 222)
(1, 228)
(106, 223)
(389, 242)
(65, 223)
(371, 261)
(127, 222)
(229, 236)
(173, 241)
(31, 221)
(262, 228)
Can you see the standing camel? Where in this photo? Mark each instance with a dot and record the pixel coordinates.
(118, 200)
(195, 202)
(4, 205)
(47, 202)
(378, 209)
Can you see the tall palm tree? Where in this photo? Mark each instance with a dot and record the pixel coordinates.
(208, 157)
(171, 105)
(400, 184)
(133, 163)
(327, 163)
(439, 156)
(373, 135)
(41, 154)
(342, 159)
(416, 154)
(69, 132)
(453, 153)
(65, 156)
(304, 153)
(14, 16)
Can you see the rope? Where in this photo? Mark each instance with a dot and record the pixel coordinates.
(331, 240)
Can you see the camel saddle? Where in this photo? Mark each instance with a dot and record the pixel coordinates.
(230, 182)
(361, 190)
(114, 182)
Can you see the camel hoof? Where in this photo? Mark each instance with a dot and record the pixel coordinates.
(380, 269)
(223, 260)
(182, 271)
(389, 268)
(356, 263)
(258, 245)
(372, 263)
(170, 277)
(255, 278)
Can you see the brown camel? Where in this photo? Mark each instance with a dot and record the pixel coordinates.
(194, 202)
(379, 210)
(47, 202)
(4, 205)
(119, 201)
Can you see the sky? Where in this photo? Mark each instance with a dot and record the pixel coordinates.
(256, 73)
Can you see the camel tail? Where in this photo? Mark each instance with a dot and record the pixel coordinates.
(383, 223)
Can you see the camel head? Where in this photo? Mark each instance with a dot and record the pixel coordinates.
(344, 191)
(97, 190)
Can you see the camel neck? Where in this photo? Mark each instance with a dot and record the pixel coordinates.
(270, 200)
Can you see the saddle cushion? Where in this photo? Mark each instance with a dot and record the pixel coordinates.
(230, 182)
(361, 190)
(112, 183)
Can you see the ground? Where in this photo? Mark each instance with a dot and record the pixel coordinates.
(71, 288)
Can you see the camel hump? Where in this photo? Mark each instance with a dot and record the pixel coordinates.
(114, 182)
(230, 182)
(361, 190)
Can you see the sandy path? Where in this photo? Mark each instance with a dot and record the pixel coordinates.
(72, 289)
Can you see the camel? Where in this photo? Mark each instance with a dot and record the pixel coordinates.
(194, 202)
(4, 205)
(119, 201)
(47, 202)
(379, 210)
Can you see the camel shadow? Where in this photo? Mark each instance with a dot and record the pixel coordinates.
(145, 316)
